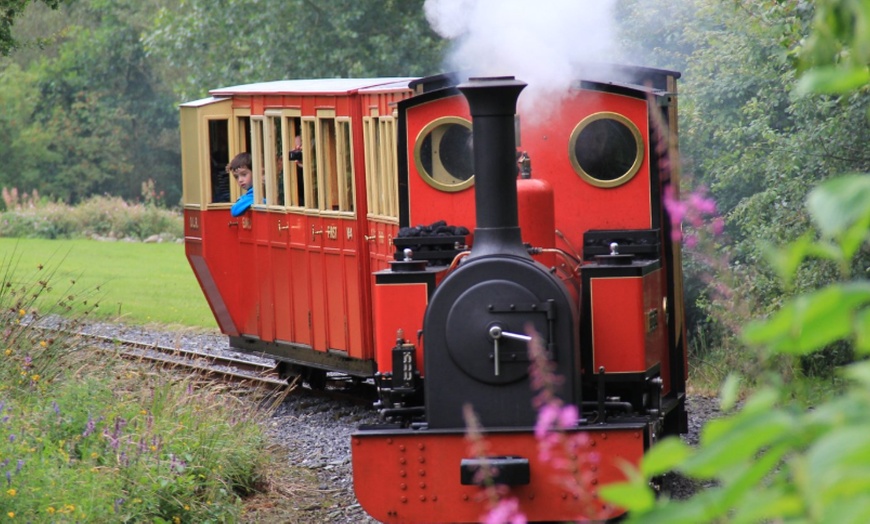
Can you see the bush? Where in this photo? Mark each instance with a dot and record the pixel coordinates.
(98, 217)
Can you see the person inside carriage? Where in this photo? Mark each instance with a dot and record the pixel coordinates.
(240, 168)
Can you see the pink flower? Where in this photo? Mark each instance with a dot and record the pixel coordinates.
(548, 413)
(701, 203)
(568, 416)
(507, 511)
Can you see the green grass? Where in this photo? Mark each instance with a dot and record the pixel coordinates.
(133, 283)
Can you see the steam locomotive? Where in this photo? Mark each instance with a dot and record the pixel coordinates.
(420, 235)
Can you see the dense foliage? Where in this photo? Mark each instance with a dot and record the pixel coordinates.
(772, 459)
(758, 141)
(10, 10)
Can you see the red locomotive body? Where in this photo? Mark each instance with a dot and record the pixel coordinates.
(394, 236)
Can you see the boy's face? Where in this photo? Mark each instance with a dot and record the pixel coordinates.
(244, 177)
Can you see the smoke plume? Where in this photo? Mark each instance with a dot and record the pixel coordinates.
(539, 42)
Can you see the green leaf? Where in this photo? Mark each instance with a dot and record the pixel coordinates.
(859, 372)
(664, 457)
(862, 331)
(811, 321)
(856, 510)
(744, 480)
(854, 237)
(838, 203)
(767, 504)
(739, 443)
(833, 79)
(730, 392)
(839, 464)
(634, 496)
(785, 261)
(699, 508)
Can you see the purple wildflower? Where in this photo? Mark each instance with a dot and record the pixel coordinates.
(89, 427)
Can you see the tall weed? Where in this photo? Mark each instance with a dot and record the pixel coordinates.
(85, 437)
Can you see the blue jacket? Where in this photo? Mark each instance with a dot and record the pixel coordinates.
(243, 203)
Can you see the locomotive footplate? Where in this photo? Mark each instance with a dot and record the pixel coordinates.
(422, 475)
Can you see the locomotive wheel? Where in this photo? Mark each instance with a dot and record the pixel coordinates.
(287, 371)
(316, 378)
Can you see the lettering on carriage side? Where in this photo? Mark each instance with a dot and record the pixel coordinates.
(246, 222)
(332, 232)
(350, 233)
(193, 222)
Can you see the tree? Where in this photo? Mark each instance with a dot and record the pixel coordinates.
(205, 45)
(112, 124)
(10, 10)
(23, 144)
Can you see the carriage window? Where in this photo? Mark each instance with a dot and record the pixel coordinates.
(606, 149)
(344, 154)
(335, 166)
(274, 161)
(243, 142)
(243, 128)
(443, 154)
(389, 166)
(389, 171)
(258, 159)
(381, 162)
(219, 157)
(309, 155)
(328, 169)
(373, 190)
(294, 183)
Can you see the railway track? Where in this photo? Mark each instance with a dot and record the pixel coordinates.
(263, 373)
(223, 367)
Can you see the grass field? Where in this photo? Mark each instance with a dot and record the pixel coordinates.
(133, 283)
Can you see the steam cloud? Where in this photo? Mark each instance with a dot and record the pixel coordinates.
(539, 42)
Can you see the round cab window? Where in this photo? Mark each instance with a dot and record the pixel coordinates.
(606, 149)
(443, 154)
